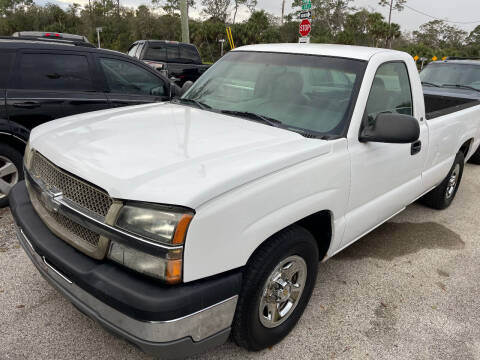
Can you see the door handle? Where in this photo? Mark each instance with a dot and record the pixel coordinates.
(27, 104)
(416, 147)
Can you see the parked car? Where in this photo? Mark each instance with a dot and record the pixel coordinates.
(453, 83)
(175, 234)
(180, 61)
(45, 80)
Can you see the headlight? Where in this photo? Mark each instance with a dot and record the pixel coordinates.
(168, 268)
(27, 158)
(162, 225)
(156, 224)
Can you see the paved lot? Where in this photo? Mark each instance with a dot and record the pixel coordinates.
(409, 290)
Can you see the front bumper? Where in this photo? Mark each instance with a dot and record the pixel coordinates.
(168, 334)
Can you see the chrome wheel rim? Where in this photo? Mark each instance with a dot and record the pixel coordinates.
(8, 176)
(452, 182)
(282, 291)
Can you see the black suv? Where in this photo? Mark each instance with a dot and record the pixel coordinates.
(42, 80)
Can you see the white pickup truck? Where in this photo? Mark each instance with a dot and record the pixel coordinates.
(178, 224)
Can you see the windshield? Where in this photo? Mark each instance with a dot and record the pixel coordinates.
(452, 74)
(307, 93)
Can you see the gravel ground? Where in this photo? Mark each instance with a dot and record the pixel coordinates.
(409, 290)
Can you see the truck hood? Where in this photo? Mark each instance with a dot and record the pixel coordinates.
(170, 154)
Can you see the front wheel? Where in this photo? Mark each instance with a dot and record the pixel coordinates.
(442, 196)
(11, 171)
(279, 280)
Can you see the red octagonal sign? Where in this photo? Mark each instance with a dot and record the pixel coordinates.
(305, 27)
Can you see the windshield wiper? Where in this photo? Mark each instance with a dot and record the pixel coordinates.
(199, 104)
(460, 86)
(253, 116)
(430, 84)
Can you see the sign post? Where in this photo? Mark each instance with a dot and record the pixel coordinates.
(304, 30)
(99, 30)
(305, 24)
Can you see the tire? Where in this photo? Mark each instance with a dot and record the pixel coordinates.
(475, 158)
(251, 327)
(442, 196)
(9, 176)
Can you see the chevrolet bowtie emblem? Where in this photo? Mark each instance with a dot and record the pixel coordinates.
(50, 198)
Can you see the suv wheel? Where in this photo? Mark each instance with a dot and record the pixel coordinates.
(278, 282)
(11, 171)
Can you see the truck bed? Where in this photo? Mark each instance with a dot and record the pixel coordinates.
(438, 104)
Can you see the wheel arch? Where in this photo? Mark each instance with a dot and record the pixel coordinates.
(319, 224)
(466, 147)
(14, 141)
(14, 135)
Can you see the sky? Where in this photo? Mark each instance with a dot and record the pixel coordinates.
(462, 11)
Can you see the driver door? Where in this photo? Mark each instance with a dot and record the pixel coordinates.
(385, 178)
(131, 84)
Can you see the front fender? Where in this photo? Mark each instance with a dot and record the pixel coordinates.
(227, 230)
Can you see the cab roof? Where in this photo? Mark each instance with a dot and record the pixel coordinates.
(344, 51)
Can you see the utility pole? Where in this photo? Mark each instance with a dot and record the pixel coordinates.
(184, 21)
(283, 9)
(389, 42)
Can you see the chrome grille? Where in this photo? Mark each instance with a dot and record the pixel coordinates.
(62, 226)
(79, 192)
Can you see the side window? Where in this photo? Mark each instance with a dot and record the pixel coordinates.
(125, 77)
(132, 50)
(5, 63)
(189, 53)
(139, 50)
(54, 72)
(391, 92)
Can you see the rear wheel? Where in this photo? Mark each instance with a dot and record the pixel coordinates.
(442, 196)
(11, 171)
(277, 286)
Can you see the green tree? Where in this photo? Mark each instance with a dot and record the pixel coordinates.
(172, 7)
(397, 5)
(216, 9)
(474, 36)
(250, 4)
(439, 35)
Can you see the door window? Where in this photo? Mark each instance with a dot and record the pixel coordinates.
(132, 50)
(391, 92)
(139, 51)
(54, 72)
(125, 77)
(5, 62)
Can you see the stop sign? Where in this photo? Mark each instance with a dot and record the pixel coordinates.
(305, 27)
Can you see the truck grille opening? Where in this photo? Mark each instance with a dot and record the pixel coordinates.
(64, 227)
(95, 202)
(79, 192)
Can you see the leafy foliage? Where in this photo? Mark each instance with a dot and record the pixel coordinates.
(336, 21)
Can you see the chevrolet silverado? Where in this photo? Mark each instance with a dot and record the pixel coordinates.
(179, 224)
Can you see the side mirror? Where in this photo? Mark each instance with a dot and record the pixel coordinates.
(175, 91)
(391, 128)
